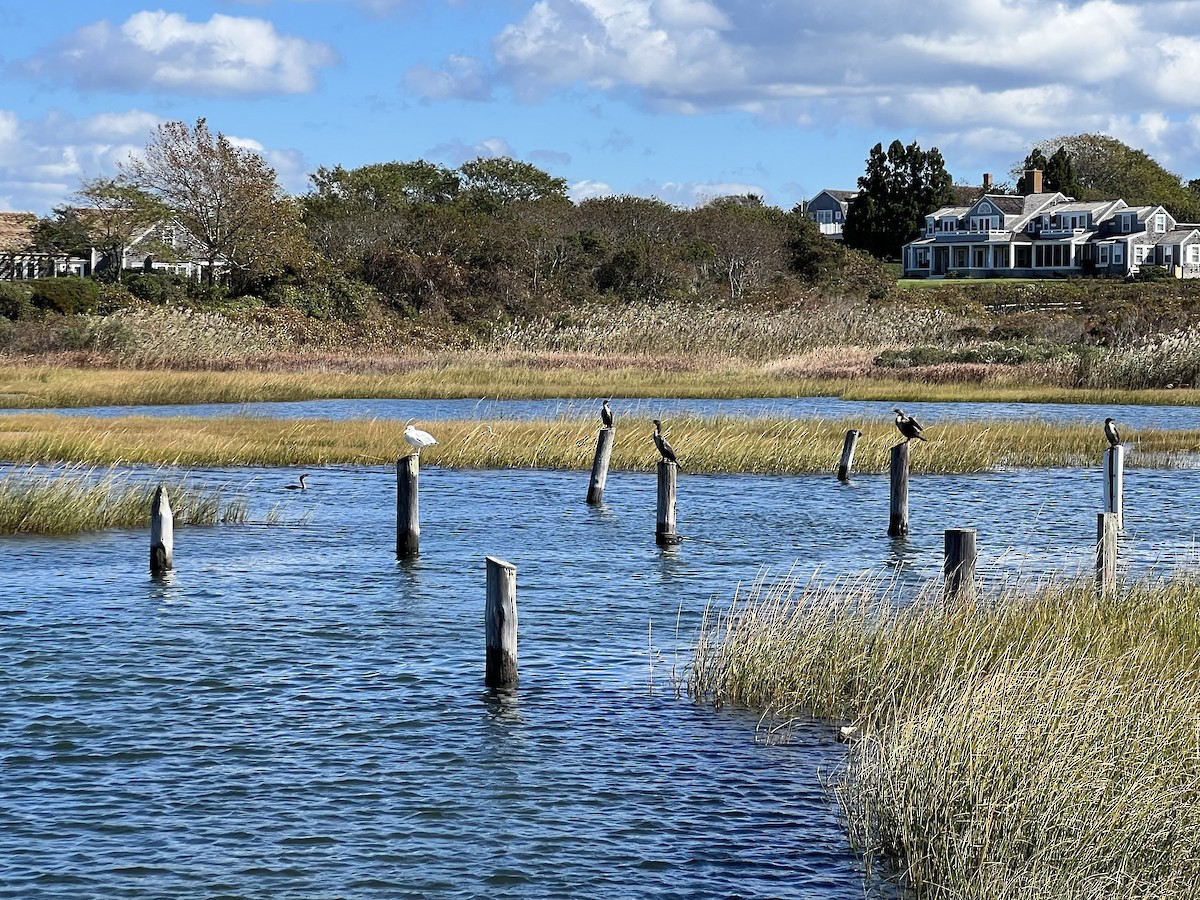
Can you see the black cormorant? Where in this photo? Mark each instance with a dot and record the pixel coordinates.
(909, 427)
(1110, 432)
(668, 453)
(606, 415)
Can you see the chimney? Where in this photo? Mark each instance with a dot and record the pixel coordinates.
(1033, 181)
(987, 181)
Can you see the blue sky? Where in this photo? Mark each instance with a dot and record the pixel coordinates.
(678, 99)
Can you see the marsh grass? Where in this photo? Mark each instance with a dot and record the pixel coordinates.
(835, 372)
(765, 446)
(1033, 745)
(67, 503)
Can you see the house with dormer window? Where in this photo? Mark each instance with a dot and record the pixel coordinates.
(829, 209)
(1047, 234)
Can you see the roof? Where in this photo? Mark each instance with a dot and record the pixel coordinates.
(836, 194)
(16, 230)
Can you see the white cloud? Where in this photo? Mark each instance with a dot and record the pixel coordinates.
(1026, 68)
(165, 52)
(587, 189)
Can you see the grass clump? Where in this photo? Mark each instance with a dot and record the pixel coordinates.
(57, 503)
(1042, 745)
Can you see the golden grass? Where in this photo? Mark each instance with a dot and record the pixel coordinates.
(1041, 747)
(768, 446)
(67, 503)
(839, 373)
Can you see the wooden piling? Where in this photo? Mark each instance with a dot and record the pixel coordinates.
(898, 505)
(958, 564)
(848, 448)
(1114, 483)
(1106, 553)
(501, 624)
(162, 533)
(664, 528)
(604, 448)
(408, 513)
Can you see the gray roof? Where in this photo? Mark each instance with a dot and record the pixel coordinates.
(838, 194)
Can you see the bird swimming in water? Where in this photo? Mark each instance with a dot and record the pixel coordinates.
(606, 415)
(909, 427)
(416, 438)
(1110, 432)
(301, 486)
(664, 448)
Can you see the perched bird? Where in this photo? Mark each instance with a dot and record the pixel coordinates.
(1110, 432)
(909, 427)
(416, 438)
(301, 486)
(667, 451)
(606, 415)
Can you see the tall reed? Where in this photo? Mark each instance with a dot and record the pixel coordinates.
(1042, 745)
(67, 503)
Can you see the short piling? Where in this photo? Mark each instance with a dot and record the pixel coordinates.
(664, 528)
(1106, 553)
(898, 505)
(162, 533)
(848, 448)
(1114, 483)
(604, 448)
(501, 624)
(408, 513)
(958, 564)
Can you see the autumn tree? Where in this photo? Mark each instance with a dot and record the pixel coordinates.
(226, 196)
(900, 188)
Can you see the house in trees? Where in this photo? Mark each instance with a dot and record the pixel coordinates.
(166, 246)
(1047, 234)
(828, 209)
(19, 259)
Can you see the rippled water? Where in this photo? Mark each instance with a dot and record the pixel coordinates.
(292, 714)
(647, 408)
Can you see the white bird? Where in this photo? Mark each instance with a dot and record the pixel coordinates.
(416, 438)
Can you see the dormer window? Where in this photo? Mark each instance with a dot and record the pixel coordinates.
(1160, 223)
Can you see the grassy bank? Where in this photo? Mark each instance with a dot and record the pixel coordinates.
(526, 376)
(1043, 746)
(70, 503)
(767, 446)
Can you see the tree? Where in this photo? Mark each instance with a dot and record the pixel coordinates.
(114, 212)
(900, 188)
(226, 196)
(490, 184)
(1035, 160)
(1060, 174)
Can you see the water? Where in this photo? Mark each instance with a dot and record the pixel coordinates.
(1129, 417)
(292, 714)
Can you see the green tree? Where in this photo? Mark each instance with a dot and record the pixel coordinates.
(491, 184)
(1060, 174)
(227, 197)
(900, 188)
(1035, 160)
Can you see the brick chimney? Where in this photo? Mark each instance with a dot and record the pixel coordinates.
(1033, 181)
(987, 181)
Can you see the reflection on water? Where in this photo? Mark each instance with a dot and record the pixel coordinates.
(291, 713)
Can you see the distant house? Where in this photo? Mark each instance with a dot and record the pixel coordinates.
(20, 260)
(1045, 234)
(828, 209)
(165, 246)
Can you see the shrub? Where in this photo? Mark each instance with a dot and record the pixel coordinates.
(69, 295)
(14, 300)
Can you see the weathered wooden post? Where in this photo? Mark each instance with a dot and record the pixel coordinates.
(162, 533)
(604, 448)
(408, 514)
(664, 528)
(898, 506)
(848, 447)
(1114, 483)
(1106, 553)
(958, 564)
(501, 624)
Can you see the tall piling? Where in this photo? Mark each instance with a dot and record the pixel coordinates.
(500, 617)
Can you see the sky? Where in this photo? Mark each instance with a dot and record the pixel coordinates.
(683, 100)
